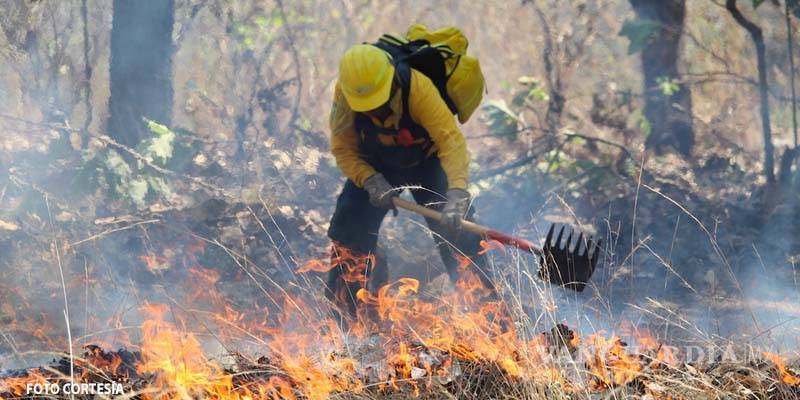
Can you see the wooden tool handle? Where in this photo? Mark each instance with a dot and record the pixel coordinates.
(436, 215)
(470, 226)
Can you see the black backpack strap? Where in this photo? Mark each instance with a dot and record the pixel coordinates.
(403, 73)
(422, 56)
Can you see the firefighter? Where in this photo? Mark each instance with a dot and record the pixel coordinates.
(383, 138)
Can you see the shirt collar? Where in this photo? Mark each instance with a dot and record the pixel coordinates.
(396, 104)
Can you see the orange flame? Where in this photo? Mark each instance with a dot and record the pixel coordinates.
(786, 376)
(487, 246)
(610, 364)
(467, 325)
(18, 385)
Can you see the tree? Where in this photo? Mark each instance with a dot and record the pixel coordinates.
(791, 6)
(668, 103)
(141, 53)
(763, 86)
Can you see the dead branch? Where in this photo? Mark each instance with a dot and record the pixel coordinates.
(593, 139)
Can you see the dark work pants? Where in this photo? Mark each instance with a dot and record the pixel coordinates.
(356, 223)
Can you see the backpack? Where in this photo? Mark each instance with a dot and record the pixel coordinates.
(442, 56)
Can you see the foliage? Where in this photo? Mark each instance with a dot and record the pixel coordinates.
(136, 181)
(532, 90)
(643, 123)
(250, 33)
(501, 120)
(506, 120)
(667, 85)
(640, 32)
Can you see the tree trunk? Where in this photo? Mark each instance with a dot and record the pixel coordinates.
(763, 87)
(790, 51)
(141, 67)
(87, 68)
(670, 117)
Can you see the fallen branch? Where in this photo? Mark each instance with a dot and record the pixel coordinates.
(505, 168)
(113, 230)
(593, 139)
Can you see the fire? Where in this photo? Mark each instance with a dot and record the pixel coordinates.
(466, 325)
(155, 263)
(177, 360)
(786, 376)
(611, 365)
(489, 245)
(355, 266)
(647, 340)
(665, 355)
(402, 362)
(419, 341)
(95, 357)
(18, 385)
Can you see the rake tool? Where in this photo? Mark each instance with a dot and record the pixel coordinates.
(562, 264)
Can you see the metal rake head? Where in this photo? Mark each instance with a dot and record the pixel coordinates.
(566, 265)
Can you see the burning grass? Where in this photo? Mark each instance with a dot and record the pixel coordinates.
(173, 366)
(464, 344)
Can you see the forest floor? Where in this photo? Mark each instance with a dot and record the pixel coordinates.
(697, 255)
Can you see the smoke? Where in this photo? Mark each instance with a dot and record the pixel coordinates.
(659, 269)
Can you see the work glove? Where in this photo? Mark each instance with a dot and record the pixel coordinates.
(380, 191)
(455, 209)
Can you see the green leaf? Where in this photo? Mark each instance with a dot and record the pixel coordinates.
(277, 20)
(500, 106)
(667, 85)
(158, 185)
(261, 21)
(554, 160)
(136, 191)
(500, 119)
(519, 98)
(159, 148)
(576, 140)
(757, 3)
(156, 128)
(539, 93)
(640, 32)
(185, 149)
(117, 165)
(528, 80)
(243, 30)
(644, 125)
(248, 42)
(532, 91)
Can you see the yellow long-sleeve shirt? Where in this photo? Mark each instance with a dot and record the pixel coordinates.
(426, 108)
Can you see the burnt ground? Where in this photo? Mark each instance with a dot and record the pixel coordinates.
(689, 254)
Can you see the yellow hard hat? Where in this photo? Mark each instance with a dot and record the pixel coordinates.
(365, 77)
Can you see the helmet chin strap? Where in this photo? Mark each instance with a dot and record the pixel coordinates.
(380, 113)
(384, 110)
